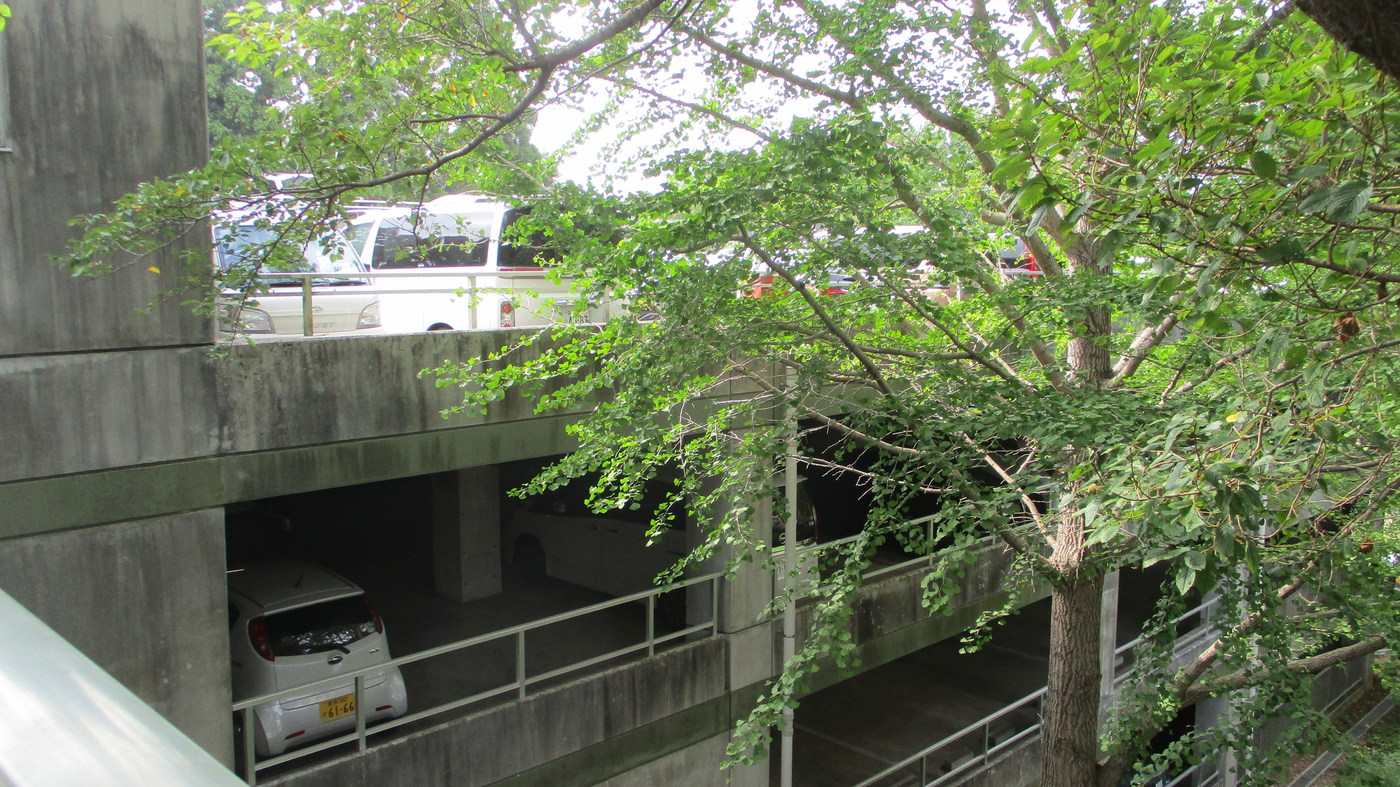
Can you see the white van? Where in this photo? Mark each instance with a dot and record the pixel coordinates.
(341, 303)
(469, 278)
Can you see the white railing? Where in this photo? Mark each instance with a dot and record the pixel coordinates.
(967, 749)
(307, 290)
(520, 686)
(928, 559)
(1184, 643)
(975, 745)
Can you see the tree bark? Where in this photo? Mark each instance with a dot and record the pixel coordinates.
(1370, 28)
(1070, 735)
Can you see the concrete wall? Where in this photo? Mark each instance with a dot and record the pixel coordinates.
(574, 735)
(147, 601)
(103, 94)
(185, 431)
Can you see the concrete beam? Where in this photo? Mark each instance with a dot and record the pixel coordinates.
(64, 502)
(467, 533)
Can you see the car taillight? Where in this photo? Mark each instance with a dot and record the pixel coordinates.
(507, 314)
(374, 616)
(262, 643)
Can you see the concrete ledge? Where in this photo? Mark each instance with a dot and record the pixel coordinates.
(66, 502)
(580, 733)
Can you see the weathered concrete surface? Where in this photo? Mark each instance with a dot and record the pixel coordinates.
(552, 738)
(271, 419)
(103, 95)
(71, 413)
(467, 533)
(147, 601)
(1018, 766)
(890, 620)
(694, 766)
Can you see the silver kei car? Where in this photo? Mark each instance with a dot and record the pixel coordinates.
(292, 623)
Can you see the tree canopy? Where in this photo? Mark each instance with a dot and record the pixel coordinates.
(1202, 373)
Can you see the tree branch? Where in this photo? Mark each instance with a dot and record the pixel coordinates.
(876, 375)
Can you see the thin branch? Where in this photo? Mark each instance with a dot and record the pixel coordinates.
(876, 375)
(1260, 33)
(704, 110)
(839, 96)
(551, 61)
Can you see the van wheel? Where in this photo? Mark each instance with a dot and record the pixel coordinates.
(530, 559)
(439, 326)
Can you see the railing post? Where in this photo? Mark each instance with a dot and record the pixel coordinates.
(250, 752)
(923, 771)
(651, 625)
(520, 663)
(360, 711)
(474, 301)
(308, 324)
(714, 606)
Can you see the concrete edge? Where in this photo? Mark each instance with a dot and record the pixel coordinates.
(43, 505)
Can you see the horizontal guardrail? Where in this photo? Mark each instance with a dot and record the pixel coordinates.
(975, 745)
(308, 289)
(520, 686)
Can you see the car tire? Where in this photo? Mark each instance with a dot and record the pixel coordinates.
(530, 558)
(439, 326)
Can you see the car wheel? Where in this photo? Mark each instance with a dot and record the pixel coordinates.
(530, 558)
(439, 326)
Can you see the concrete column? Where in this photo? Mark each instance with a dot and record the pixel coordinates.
(147, 601)
(1108, 641)
(467, 533)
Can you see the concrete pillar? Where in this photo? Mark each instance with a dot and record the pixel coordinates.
(467, 533)
(742, 597)
(147, 600)
(1108, 641)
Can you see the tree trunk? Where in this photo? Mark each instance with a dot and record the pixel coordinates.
(1370, 28)
(1070, 734)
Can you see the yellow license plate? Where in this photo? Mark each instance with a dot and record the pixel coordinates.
(340, 706)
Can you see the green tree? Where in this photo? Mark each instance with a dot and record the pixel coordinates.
(240, 99)
(1204, 374)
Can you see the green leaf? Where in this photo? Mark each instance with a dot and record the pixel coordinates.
(1185, 580)
(1194, 560)
(1348, 201)
(1263, 165)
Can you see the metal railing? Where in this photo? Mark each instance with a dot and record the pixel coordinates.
(972, 747)
(1123, 655)
(307, 291)
(975, 745)
(245, 709)
(928, 559)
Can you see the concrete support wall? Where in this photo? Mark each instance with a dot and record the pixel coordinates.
(467, 533)
(693, 766)
(146, 600)
(103, 94)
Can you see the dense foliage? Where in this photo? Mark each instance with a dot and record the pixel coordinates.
(1203, 375)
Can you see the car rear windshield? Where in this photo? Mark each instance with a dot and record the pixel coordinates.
(319, 627)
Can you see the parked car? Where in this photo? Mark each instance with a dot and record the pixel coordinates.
(340, 302)
(292, 622)
(486, 283)
(557, 535)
